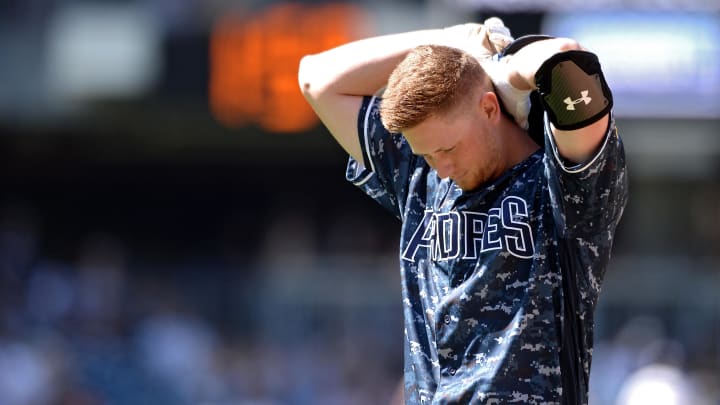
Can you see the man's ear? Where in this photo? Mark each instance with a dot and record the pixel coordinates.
(490, 106)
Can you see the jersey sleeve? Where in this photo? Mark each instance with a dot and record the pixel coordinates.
(591, 195)
(387, 159)
(588, 200)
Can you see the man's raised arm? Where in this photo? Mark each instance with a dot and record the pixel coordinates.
(334, 81)
(573, 91)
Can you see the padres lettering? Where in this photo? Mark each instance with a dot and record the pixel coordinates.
(466, 234)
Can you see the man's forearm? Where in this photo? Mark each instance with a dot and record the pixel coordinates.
(525, 63)
(362, 67)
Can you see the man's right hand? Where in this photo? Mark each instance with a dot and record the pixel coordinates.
(483, 41)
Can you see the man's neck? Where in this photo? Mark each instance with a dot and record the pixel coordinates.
(517, 143)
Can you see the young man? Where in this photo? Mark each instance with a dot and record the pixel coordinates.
(504, 244)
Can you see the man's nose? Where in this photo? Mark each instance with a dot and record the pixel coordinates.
(444, 168)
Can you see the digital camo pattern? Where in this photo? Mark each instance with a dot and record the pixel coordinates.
(499, 285)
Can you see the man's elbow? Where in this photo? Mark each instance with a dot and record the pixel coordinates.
(307, 77)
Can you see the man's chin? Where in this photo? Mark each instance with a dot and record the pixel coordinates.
(468, 182)
(467, 185)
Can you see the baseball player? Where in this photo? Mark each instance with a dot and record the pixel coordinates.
(505, 239)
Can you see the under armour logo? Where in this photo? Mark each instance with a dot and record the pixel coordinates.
(571, 103)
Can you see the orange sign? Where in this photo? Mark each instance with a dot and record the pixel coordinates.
(254, 62)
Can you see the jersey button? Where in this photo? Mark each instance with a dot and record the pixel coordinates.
(451, 371)
(447, 319)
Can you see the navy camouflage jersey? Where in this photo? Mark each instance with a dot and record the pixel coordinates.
(499, 285)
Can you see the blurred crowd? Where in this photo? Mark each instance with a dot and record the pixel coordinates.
(104, 328)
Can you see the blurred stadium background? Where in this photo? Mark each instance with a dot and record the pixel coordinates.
(175, 227)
